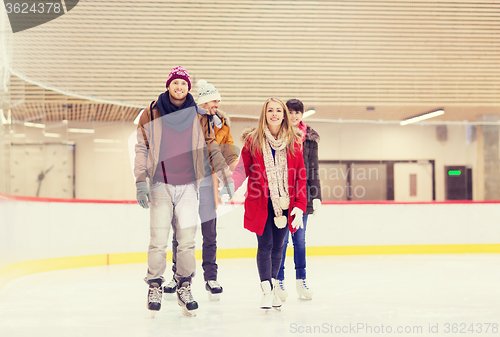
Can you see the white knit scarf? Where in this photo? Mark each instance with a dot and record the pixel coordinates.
(277, 176)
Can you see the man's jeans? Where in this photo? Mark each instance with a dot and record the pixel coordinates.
(167, 200)
(299, 252)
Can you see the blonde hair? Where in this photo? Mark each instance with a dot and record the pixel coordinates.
(257, 137)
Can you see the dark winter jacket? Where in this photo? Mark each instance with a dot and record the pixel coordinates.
(312, 167)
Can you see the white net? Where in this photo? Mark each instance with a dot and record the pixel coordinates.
(401, 58)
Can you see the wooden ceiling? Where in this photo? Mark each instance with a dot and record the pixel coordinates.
(33, 103)
(364, 60)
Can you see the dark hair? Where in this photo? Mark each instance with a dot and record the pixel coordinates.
(295, 105)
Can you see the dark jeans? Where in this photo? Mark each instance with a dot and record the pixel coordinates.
(209, 233)
(299, 252)
(270, 246)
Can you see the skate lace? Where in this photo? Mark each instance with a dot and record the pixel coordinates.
(304, 285)
(155, 294)
(185, 294)
(281, 284)
(213, 284)
(172, 284)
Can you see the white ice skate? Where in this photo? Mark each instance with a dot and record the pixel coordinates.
(214, 290)
(154, 298)
(267, 296)
(276, 299)
(171, 287)
(280, 290)
(303, 289)
(186, 301)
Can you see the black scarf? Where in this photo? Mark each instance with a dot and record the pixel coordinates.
(166, 107)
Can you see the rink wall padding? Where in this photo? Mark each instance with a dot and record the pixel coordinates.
(50, 234)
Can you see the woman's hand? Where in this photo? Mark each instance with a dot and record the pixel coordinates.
(297, 222)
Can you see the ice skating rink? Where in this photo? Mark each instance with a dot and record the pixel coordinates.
(414, 295)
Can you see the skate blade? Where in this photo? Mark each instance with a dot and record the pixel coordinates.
(213, 297)
(188, 313)
(153, 313)
(170, 296)
(277, 308)
(185, 311)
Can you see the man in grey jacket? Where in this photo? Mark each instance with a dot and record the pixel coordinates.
(174, 144)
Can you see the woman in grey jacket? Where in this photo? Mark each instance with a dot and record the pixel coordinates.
(310, 152)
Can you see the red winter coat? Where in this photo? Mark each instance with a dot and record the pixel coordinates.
(258, 189)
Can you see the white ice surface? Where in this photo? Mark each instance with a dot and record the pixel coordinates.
(396, 291)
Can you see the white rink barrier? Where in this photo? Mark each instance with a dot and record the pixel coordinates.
(54, 234)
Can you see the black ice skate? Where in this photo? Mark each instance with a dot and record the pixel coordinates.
(214, 290)
(171, 287)
(185, 299)
(154, 297)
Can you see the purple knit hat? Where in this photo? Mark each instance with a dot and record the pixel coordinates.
(179, 72)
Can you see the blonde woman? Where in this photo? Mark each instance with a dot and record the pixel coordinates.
(272, 160)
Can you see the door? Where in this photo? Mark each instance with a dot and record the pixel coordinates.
(413, 181)
(458, 183)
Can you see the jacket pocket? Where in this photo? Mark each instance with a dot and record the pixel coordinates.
(251, 206)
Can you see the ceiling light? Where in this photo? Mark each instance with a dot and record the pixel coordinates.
(81, 130)
(422, 117)
(309, 113)
(107, 141)
(52, 135)
(34, 125)
(108, 150)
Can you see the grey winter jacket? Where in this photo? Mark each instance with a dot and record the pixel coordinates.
(204, 146)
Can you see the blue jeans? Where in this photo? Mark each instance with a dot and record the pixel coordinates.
(299, 252)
